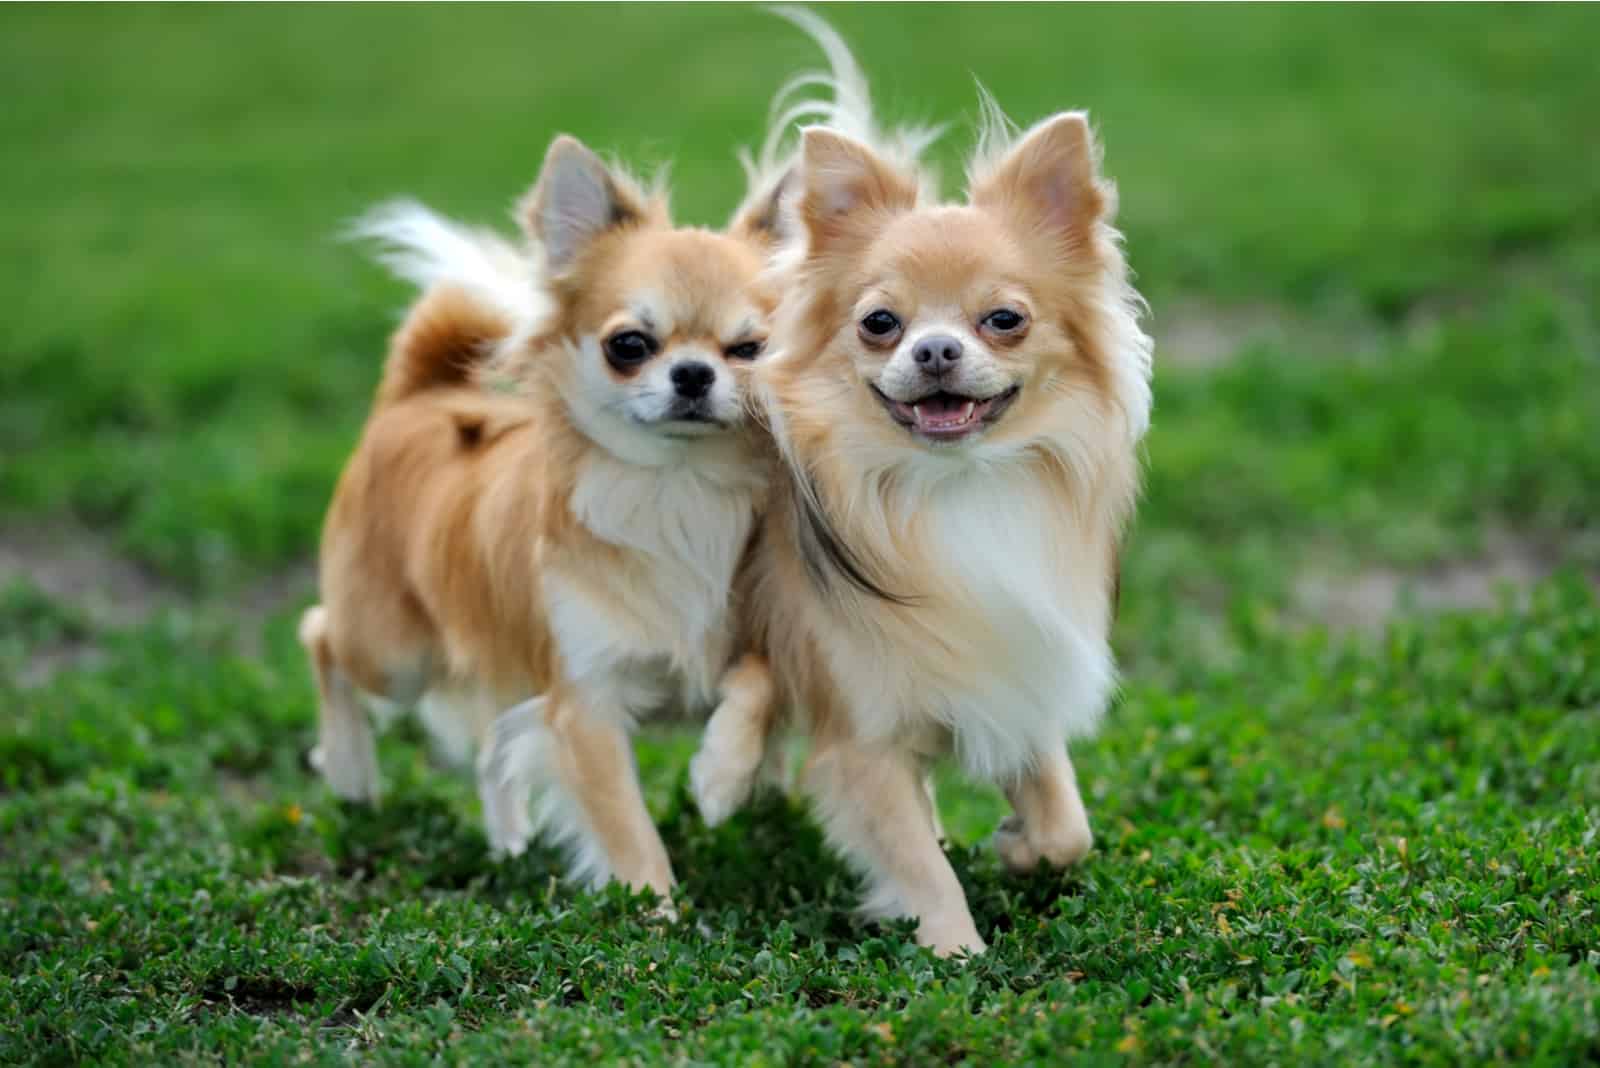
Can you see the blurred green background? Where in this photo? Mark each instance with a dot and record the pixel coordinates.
(188, 347)
(1358, 604)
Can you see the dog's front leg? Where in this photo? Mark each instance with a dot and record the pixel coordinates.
(594, 770)
(581, 766)
(733, 747)
(1050, 823)
(876, 809)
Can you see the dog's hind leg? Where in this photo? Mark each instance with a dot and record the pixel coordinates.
(506, 821)
(506, 795)
(346, 753)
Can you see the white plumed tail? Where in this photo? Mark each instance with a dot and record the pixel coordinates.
(429, 250)
(845, 107)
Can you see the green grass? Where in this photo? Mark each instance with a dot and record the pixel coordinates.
(1316, 845)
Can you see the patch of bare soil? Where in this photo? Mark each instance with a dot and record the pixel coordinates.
(1196, 333)
(1202, 334)
(1368, 599)
(268, 597)
(76, 566)
(69, 563)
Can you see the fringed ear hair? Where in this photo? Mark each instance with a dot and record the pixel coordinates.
(1049, 181)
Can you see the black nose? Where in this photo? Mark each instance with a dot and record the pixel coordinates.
(936, 354)
(693, 379)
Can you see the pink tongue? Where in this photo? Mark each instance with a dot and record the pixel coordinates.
(943, 412)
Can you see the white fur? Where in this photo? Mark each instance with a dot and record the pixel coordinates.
(426, 249)
(653, 631)
(686, 526)
(1009, 598)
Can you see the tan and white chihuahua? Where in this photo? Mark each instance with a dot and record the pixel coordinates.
(548, 504)
(958, 392)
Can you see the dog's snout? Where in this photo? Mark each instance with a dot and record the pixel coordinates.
(936, 354)
(693, 379)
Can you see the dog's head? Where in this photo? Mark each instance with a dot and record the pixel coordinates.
(957, 331)
(660, 325)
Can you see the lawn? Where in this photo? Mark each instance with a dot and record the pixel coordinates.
(1348, 805)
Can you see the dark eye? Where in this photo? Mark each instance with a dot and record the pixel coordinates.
(1003, 320)
(629, 348)
(749, 350)
(880, 325)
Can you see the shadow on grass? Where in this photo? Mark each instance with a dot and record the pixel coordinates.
(766, 865)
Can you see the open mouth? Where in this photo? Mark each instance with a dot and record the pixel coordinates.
(946, 416)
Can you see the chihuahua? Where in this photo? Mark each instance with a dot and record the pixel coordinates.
(958, 392)
(548, 504)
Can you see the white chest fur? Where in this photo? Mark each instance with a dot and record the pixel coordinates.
(1004, 651)
(637, 634)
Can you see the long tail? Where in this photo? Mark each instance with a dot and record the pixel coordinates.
(845, 107)
(478, 289)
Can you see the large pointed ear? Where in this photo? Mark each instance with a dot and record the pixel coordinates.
(1048, 181)
(576, 199)
(844, 184)
(760, 219)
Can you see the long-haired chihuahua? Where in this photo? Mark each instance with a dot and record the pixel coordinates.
(548, 504)
(958, 391)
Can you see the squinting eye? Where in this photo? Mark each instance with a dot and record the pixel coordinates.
(749, 350)
(879, 324)
(1003, 320)
(630, 347)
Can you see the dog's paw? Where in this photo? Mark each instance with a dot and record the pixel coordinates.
(508, 832)
(509, 848)
(952, 937)
(720, 786)
(1021, 849)
(352, 776)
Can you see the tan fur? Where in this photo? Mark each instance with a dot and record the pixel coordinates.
(461, 559)
(442, 341)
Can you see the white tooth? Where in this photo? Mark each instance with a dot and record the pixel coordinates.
(966, 411)
(916, 412)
